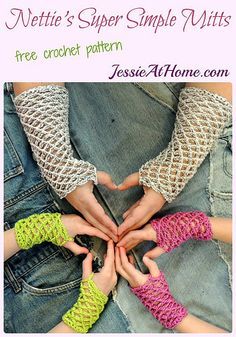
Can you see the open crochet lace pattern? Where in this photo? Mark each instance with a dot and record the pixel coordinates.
(88, 307)
(200, 120)
(43, 112)
(39, 228)
(174, 229)
(156, 297)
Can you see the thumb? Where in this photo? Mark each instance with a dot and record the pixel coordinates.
(106, 180)
(87, 266)
(130, 181)
(152, 266)
(155, 252)
(75, 249)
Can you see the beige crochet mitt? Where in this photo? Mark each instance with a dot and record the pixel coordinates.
(43, 112)
(200, 120)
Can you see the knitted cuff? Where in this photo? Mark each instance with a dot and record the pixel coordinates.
(174, 229)
(43, 112)
(85, 312)
(200, 120)
(156, 297)
(38, 228)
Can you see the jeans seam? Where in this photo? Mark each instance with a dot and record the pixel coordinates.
(155, 98)
(34, 266)
(25, 194)
(53, 290)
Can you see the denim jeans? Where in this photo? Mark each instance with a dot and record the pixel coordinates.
(117, 127)
(40, 284)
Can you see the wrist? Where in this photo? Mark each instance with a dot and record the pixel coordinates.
(39, 228)
(156, 296)
(174, 229)
(85, 312)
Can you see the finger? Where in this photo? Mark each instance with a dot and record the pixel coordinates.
(98, 225)
(92, 231)
(128, 238)
(138, 215)
(118, 265)
(126, 265)
(132, 244)
(155, 252)
(130, 209)
(106, 180)
(98, 213)
(87, 266)
(130, 181)
(110, 258)
(75, 249)
(131, 260)
(152, 266)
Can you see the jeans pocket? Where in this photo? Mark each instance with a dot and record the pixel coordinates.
(165, 93)
(221, 167)
(64, 287)
(54, 276)
(12, 163)
(227, 157)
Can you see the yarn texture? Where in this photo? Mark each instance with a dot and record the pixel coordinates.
(174, 229)
(156, 297)
(85, 312)
(39, 228)
(200, 120)
(43, 112)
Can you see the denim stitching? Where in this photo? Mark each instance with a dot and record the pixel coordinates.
(25, 194)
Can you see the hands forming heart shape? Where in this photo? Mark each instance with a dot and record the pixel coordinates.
(83, 199)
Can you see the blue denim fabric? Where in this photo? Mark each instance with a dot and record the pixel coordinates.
(40, 284)
(117, 127)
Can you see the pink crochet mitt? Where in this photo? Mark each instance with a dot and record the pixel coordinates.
(174, 229)
(156, 297)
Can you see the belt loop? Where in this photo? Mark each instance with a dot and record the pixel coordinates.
(14, 283)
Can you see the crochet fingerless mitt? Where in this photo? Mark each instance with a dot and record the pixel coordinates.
(38, 228)
(85, 312)
(200, 120)
(174, 229)
(43, 112)
(156, 297)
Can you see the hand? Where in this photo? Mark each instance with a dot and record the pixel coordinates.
(83, 199)
(106, 279)
(139, 214)
(125, 267)
(133, 238)
(74, 225)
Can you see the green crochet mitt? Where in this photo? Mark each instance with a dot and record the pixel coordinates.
(85, 312)
(38, 228)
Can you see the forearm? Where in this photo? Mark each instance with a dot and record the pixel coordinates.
(222, 229)
(11, 246)
(62, 328)
(44, 114)
(192, 324)
(201, 117)
(222, 89)
(20, 87)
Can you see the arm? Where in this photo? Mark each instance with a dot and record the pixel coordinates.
(51, 227)
(193, 324)
(11, 246)
(153, 291)
(172, 230)
(43, 110)
(203, 111)
(93, 296)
